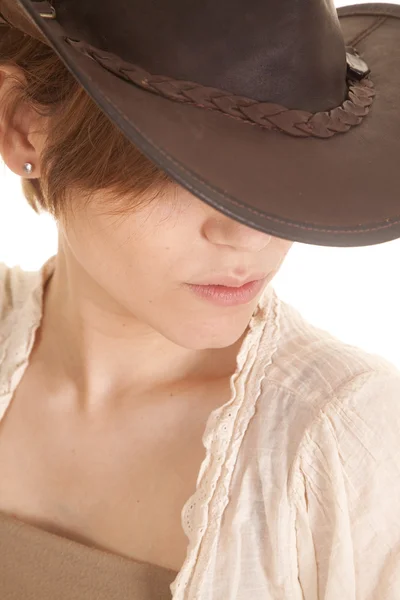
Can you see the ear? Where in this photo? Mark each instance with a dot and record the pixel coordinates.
(20, 140)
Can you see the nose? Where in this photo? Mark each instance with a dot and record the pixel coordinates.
(224, 231)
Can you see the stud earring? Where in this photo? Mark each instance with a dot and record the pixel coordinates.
(28, 168)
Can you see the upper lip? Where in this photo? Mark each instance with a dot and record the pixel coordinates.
(232, 281)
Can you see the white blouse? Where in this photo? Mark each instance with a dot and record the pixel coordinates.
(298, 496)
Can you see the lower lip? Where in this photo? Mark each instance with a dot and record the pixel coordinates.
(229, 296)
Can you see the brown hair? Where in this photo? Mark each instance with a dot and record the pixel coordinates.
(85, 151)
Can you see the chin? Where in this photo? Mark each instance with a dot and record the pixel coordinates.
(203, 335)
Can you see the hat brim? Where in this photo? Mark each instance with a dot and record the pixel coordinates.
(342, 191)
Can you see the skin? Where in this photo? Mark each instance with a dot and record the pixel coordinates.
(119, 283)
(126, 366)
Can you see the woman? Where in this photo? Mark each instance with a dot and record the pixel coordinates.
(169, 426)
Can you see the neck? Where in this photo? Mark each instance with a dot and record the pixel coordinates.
(92, 347)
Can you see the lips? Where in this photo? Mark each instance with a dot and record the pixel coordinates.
(229, 295)
(231, 282)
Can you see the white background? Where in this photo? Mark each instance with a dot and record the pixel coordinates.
(352, 292)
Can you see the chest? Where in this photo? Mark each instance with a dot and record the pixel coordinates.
(119, 483)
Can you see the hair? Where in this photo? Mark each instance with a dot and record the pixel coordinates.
(84, 151)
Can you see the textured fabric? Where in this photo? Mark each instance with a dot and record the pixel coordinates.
(298, 496)
(37, 565)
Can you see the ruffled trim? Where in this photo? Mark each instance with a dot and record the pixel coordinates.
(19, 324)
(224, 432)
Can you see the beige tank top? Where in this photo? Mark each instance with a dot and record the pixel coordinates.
(38, 565)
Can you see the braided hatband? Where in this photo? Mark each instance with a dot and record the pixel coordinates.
(298, 123)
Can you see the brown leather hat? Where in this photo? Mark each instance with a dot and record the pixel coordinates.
(275, 112)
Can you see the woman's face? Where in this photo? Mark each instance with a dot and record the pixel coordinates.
(143, 264)
(140, 266)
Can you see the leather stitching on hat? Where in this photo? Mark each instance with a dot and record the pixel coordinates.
(233, 201)
(273, 117)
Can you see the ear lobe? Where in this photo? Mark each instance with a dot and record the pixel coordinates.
(16, 151)
(16, 147)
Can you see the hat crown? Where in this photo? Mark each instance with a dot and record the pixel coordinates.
(289, 52)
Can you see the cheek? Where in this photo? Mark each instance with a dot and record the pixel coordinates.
(142, 275)
(139, 273)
